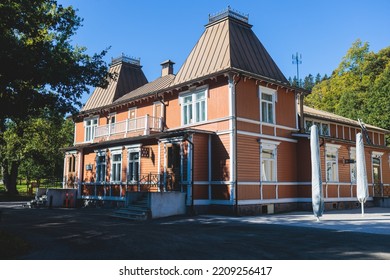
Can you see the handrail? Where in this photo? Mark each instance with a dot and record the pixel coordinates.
(149, 182)
(145, 123)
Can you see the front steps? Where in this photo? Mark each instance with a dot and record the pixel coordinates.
(137, 211)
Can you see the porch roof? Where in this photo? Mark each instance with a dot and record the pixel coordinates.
(133, 140)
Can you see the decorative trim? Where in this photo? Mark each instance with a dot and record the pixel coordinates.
(267, 136)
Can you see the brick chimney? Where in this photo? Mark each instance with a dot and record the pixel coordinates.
(167, 67)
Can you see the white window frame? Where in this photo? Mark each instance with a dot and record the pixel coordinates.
(352, 166)
(272, 102)
(266, 162)
(98, 163)
(320, 125)
(333, 150)
(133, 149)
(111, 122)
(114, 152)
(90, 129)
(193, 108)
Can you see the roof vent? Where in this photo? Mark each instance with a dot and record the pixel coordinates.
(126, 59)
(229, 12)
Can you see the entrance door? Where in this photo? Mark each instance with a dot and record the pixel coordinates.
(376, 171)
(376, 168)
(173, 166)
(71, 171)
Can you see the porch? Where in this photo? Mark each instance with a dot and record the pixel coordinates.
(117, 191)
(382, 190)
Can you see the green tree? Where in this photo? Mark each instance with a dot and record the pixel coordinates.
(358, 88)
(39, 69)
(42, 157)
(33, 147)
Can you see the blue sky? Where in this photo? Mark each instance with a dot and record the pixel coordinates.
(322, 31)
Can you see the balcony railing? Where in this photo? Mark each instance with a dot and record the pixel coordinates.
(117, 190)
(144, 124)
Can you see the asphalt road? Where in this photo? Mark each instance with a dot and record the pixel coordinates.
(91, 234)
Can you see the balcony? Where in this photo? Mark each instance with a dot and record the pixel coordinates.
(137, 126)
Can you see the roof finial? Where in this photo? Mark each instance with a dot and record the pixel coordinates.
(126, 58)
(229, 12)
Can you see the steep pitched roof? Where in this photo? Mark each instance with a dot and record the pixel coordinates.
(153, 87)
(129, 77)
(228, 43)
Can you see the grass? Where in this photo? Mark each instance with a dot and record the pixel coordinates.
(24, 195)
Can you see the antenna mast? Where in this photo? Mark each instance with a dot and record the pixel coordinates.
(297, 59)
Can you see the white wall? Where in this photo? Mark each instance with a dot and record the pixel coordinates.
(164, 204)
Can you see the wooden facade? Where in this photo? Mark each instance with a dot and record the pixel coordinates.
(227, 132)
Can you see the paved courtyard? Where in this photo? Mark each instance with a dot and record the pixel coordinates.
(91, 233)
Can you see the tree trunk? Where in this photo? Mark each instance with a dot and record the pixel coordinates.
(11, 177)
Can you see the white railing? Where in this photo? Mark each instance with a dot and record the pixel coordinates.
(145, 124)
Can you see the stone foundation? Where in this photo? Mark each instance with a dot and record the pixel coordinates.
(265, 209)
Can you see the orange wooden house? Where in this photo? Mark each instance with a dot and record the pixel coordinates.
(227, 131)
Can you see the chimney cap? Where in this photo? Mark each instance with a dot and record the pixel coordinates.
(167, 62)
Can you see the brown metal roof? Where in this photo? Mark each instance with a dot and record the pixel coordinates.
(155, 86)
(315, 113)
(228, 43)
(129, 77)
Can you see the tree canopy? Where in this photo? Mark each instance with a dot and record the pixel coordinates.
(39, 67)
(358, 88)
(42, 78)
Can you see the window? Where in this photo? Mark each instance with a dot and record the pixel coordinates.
(71, 164)
(267, 97)
(331, 157)
(323, 128)
(112, 121)
(101, 167)
(132, 119)
(377, 167)
(133, 171)
(352, 157)
(268, 161)
(90, 126)
(308, 125)
(116, 166)
(194, 107)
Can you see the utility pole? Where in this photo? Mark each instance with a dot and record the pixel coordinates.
(297, 59)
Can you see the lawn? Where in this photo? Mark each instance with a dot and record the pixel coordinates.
(24, 195)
